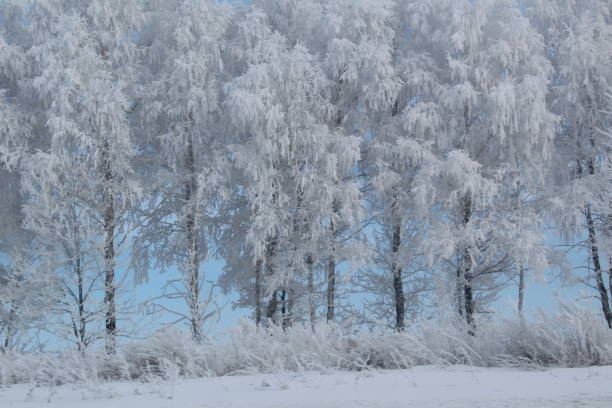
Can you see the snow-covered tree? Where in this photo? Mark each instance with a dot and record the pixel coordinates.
(26, 292)
(183, 143)
(478, 78)
(80, 183)
(294, 161)
(352, 40)
(579, 42)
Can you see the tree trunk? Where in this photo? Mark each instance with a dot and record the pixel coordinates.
(331, 288)
(109, 250)
(464, 274)
(9, 328)
(283, 298)
(521, 285)
(273, 302)
(258, 265)
(469, 301)
(610, 275)
(521, 290)
(459, 287)
(467, 273)
(288, 311)
(331, 267)
(272, 306)
(81, 333)
(603, 294)
(193, 244)
(311, 300)
(398, 285)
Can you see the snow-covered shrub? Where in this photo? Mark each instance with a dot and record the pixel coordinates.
(167, 351)
(570, 337)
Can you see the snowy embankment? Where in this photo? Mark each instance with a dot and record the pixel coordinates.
(422, 387)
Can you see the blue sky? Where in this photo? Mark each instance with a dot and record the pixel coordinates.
(542, 292)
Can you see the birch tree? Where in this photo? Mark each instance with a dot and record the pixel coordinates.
(579, 37)
(81, 55)
(26, 292)
(281, 109)
(182, 110)
(484, 93)
(353, 42)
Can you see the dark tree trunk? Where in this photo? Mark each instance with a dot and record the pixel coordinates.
(601, 287)
(273, 301)
(331, 289)
(283, 302)
(272, 306)
(9, 328)
(258, 266)
(311, 300)
(331, 268)
(469, 300)
(81, 332)
(109, 250)
(80, 326)
(521, 285)
(459, 287)
(610, 275)
(603, 294)
(521, 291)
(398, 286)
(193, 244)
(467, 273)
(287, 307)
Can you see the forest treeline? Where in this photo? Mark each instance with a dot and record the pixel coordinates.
(371, 160)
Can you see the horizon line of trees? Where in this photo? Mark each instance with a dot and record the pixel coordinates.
(417, 154)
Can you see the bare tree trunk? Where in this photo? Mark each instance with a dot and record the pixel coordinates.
(469, 300)
(521, 285)
(288, 305)
(610, 275)
(272, 306)
(81, 333)
(398, 285)
(311, 300)
(193, 244)
(603, 294)
(459, 287)
(109, 250)
(467, 257)
(258, 265)
(273, 302)
(331, 268)
(521, 290)
(331, 289)
(283, 298)
(9, 328)
(291, 306)
(467, 273)
(601, 287)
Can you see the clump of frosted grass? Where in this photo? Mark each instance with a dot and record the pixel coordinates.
(571, 337)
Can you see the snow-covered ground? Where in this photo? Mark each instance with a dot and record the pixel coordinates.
(421, 387)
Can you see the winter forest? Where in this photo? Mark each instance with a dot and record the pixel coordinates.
(371, 175)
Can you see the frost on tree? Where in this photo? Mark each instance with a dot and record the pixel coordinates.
(579, 39)
(80, 182)
(293, 158)
(479, 83)
(185, 165)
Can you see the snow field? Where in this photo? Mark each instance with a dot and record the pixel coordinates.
(419, 387)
